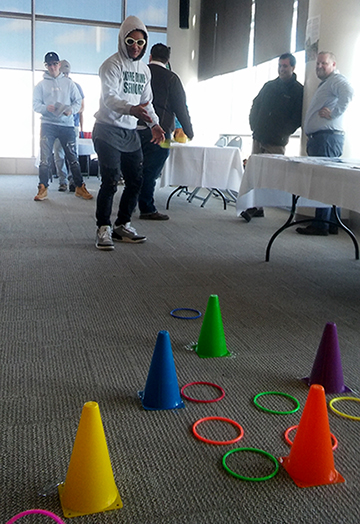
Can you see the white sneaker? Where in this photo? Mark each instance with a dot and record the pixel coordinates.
(103, 238)
(126, 233)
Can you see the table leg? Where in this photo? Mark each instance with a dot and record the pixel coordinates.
(220, 193)
(290, 223)
(193, 195)
(285, 226)
(180, 189)
(348, 231)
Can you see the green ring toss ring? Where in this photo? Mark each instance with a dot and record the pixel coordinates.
(251, 479)
(331, 405)
(273, 410)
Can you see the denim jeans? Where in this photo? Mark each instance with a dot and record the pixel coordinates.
(327, 145)
(154, 160)
(59, 157)
(112, 164)
(66, 136)
(325, 213)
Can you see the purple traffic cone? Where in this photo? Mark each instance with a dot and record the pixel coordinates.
(327, 368)
(161, 388)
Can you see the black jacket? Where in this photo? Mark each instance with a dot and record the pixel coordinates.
(276, 111)
(169, 100)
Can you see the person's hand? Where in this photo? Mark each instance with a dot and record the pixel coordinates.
(50, 108)
(325, 112)
(178, 132)
(158, 134)
(141, 113)
(179, 136)
(68, 112)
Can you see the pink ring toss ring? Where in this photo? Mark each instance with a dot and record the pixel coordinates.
(40, 511)
(218, 442)
(286, 435)
(206, 384)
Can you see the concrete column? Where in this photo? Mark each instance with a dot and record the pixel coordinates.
(339, 32)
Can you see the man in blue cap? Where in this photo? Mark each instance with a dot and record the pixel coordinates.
(57, 99)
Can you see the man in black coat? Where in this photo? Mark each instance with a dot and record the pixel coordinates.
(275, 114)
(169, 101)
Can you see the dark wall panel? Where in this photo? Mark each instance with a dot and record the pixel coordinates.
(225, 33)
(224, 36)
(273, 21)
(303, 11)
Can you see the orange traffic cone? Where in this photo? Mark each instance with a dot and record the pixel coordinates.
(89, 485)
(311, 461)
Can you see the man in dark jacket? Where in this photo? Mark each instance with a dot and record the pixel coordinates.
(275, 114)
(169, 100)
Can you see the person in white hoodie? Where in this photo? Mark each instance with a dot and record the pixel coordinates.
(57, 98)
(126, 96)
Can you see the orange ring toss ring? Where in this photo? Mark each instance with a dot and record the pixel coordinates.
(286, 435)
(218, 442)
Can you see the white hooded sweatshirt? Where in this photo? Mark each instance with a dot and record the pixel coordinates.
(60, 90)
(125, 82)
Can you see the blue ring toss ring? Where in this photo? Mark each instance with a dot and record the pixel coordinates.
(297, 403)
(196, 311)
(251, 479)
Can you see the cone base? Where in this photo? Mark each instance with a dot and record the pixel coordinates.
(180, 404)
(68, 513)
(344, 388)
(337, 480)
(226, 353)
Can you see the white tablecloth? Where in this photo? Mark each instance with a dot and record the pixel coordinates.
(197, 166)
(86, 147)
(270, 180)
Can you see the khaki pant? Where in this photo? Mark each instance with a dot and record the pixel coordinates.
(266, 149)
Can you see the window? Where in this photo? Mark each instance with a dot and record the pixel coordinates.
(108, 11)
(84, 46)
(151, 13)
(17, 112)
(15, 43)
(18, 6)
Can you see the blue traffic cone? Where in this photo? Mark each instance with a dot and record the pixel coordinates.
(162, 389)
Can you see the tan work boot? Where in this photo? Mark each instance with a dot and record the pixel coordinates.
(42, 193)
(82, 192)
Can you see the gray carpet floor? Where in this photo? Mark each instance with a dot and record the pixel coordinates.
(80, 325)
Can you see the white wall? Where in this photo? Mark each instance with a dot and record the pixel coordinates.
(339, 33)
(184, 43)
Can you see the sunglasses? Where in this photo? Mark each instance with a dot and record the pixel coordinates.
(131, 41)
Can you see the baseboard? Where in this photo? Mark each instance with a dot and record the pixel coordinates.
(18, 166)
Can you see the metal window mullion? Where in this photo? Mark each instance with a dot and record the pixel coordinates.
(33, 71)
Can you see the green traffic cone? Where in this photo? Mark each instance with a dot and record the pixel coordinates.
(211, 341)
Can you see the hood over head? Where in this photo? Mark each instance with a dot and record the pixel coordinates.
(131, 23)
(65, 67)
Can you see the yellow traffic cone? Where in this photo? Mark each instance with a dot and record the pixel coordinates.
(89, 485)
